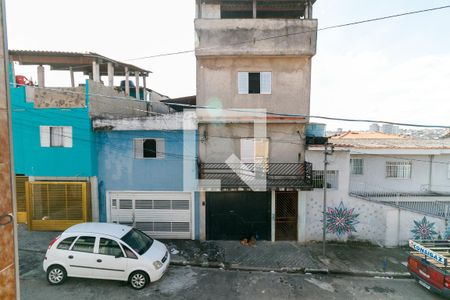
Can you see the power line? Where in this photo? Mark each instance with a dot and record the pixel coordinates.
(256, 111)
(298, 33)
(315, 116)
(93, 140)
(249, 110)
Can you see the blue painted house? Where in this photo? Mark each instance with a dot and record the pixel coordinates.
(147, 170)
(55, 150)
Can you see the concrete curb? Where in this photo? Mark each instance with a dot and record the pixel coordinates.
(32, 250)
(236, 267)
(397, 275)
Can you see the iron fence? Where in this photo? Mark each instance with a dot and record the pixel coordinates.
(271, 175)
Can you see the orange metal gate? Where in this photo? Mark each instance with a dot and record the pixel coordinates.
(57, 205)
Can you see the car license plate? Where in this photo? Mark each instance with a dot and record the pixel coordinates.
(424, 284)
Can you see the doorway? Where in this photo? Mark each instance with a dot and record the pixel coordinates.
(286, 216)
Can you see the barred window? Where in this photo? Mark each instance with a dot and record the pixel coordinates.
(356, 166)
(396, 169)
(332, 179)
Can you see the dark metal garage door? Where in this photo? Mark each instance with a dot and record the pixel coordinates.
(237, 215)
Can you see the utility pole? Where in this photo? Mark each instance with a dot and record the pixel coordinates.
(9, 282)
(325, 168)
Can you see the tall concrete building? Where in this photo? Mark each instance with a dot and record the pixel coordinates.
(374, 127)
(254, 56)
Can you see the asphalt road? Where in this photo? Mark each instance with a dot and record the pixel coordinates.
(201, 283)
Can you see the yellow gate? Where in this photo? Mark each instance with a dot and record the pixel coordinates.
(21, 199)
(57, 205)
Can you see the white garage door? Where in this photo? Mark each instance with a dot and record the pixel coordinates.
(160, 215)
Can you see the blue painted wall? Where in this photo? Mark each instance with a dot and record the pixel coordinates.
(31, 159)
(118, 170)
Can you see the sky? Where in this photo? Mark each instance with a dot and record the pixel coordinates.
(395, 70)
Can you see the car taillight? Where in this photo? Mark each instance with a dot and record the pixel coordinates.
(447, 281)
(412, 263)
(52, 242)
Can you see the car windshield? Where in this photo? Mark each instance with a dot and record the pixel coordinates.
(139, 241)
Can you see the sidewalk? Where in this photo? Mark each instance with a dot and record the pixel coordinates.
(341, 258)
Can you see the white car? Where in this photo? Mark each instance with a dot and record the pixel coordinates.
(106, 251)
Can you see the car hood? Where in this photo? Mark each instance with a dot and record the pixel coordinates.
(156, 251)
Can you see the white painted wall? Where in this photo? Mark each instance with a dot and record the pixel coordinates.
(339, 160)
(374, 173)
(377, 223)
(440, 179)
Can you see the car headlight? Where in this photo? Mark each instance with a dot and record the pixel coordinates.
(157, 264)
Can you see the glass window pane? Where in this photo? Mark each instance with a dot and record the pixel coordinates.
(65, 244)
(84, 244)
(109, 247)
(150, 148)
(254, 83)
(56, 137)
(128, 252)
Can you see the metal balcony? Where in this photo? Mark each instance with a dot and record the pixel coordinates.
(259, 176)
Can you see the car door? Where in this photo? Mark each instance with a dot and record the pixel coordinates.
(81, 257)
(110, 260)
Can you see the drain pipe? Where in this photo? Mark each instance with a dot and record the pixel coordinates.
(430, 174)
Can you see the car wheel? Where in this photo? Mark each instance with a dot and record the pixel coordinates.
(56, 274)
(138, 280)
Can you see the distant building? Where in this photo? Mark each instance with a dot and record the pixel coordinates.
(374, 127)
(387, 128)
(395, 130)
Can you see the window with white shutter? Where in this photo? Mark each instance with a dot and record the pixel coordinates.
(45, 136)
(247, 150)
(266, 83)
(149, 148)
(255, 150)
(254, 82)
(67, 136)
(56, 136)
(243, 82)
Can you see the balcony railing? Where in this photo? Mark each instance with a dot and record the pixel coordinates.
(259, 176)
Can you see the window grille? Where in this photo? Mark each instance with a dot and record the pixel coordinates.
(396, 169)
(332, 179)
(356, 166)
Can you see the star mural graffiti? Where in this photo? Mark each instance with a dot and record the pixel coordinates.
(341, 220)
(423, 230)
